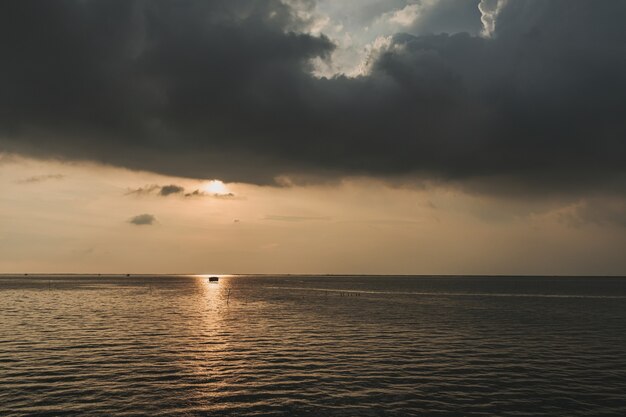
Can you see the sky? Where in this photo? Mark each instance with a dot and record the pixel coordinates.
(313, 136)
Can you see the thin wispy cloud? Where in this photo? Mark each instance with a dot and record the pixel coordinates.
(594, 212)
(296, 218)
(40, 178)
(200, 193)
(147, 190)
(176, 190)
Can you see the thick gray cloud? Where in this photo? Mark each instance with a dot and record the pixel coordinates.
(223, 89)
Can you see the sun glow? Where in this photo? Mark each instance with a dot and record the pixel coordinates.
(215, 187)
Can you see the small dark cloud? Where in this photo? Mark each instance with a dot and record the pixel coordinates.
(171, 189)
(224, 196)
(195, 193)
(40, 178)
(143, 220)
(155, 189)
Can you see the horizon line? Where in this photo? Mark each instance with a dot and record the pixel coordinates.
(130, 274)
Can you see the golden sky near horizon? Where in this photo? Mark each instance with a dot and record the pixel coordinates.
(59, 217)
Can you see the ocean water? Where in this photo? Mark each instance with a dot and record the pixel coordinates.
(312, 346)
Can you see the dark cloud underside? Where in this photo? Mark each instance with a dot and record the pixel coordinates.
(222, 89)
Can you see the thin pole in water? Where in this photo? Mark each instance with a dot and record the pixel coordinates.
(228, 297)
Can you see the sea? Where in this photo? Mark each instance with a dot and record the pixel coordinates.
(155, 345)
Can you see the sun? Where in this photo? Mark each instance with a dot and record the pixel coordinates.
(215, 187)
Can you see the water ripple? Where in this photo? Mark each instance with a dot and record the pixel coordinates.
(312, 346)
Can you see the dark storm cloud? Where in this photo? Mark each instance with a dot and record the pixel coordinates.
(143, 220)
(222, 89)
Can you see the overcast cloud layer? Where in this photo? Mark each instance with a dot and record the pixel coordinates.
(226, 89)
